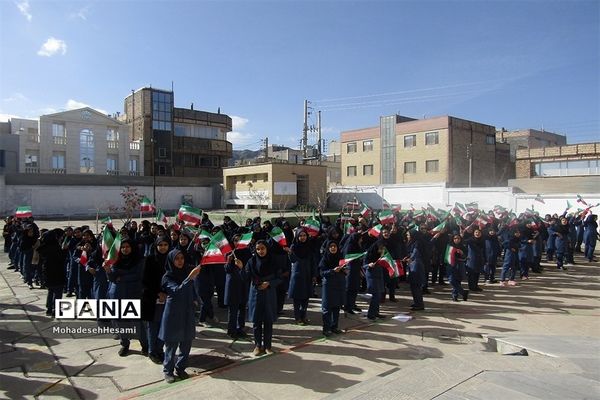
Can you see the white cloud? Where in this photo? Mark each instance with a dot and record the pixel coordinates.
(241, 139)
(6, 117)
(239, 123)
(15, 97)
(52, 47)
(82, 13)
(74, 105)
(23, 6)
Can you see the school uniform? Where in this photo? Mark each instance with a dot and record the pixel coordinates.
(334, 290)
(561, 233)
(152, 309)
(457, 271)
(178, 325)
(492, 251)
(590, 236)
(416, 274)
(304, 271)
(52, 258)
(511, 248)
(374, 279)
(235, 298)
(551, 242)
(475, 261)
(353, 272)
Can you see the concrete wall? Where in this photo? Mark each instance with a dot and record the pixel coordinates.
(63, 200)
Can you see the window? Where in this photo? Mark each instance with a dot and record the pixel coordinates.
(2, 159)
(368, 145)
(111, 164)
(58, 160)
(58, 130)
(162, 170)
(368, 169)
(410, 141)
(432, 166)
(432, 138)
(31, 159)
(351, 148)
(133, 165)
(112, 135)
(567, 168)
(351, 171)
(162, 106)
(86, 151)
(490, 139)
(162, 152)
(410, 167)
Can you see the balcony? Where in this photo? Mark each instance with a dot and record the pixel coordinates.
(134, 145)
(112, 172)
(134, 173)
(59, 140)
(32, 170)
(112, 144)
(59, 171)
(33, 138)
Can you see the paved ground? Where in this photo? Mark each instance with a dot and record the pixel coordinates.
(450, 351)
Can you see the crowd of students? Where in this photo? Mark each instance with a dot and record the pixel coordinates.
(163, 267)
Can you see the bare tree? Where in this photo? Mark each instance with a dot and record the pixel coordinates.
(260, 197)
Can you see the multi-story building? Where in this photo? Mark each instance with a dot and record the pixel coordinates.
(177, 141)
(82, 141)
(529, 139)
(275, 185)
(441, 149)
(333, 162)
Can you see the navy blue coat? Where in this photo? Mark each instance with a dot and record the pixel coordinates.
(492, 249)
(302, 274)
(511, 248)
(334, 283)
(475, 254)
(415, 266)
(178, 322)
(353, 268)
(262, 304)
(125, 283)
(237, 284)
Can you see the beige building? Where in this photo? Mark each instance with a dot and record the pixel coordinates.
(441, 149)
(274, 185)
(529, 139)
(82, 141)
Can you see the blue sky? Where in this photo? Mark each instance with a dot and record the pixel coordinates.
(523, 64)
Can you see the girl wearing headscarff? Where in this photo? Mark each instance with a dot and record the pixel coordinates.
(125, 277)
(177, 328)
(334, 288)
(264, 276)
(303, 275)
(352, 245)
(153, 297)
(236, 289)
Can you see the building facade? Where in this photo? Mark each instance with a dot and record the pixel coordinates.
(274, 185)
(82, 141)
(529, 139)
(178, 142)
(442, 149)
(572, 160)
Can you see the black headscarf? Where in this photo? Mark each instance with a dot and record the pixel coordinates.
(301, 249)
(160, 258)
(332, 259)
(176, 274)
(128, 261)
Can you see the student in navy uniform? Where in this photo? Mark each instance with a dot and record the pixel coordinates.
(374, 277)
(475, 259)
(178, 325)
(456, 268)
(205, 287)
(85, 279)
(153, 296)
(492, 251)
(125, 277)
(236, 289)
(511, 257)
(73, 270)
(52, 257)
(334, 288)
(264, 276)
(303, 275)
(353, 245)
(590, 236)
(551, 240)
(561, 234)
(416, 271)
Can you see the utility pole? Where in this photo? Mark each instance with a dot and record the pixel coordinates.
(266, 149)
(305, 131)
(319, 148)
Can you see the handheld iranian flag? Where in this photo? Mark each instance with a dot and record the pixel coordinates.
(365, 211)
(387, 262)
(204, 235)
(23, 212)
(375, 231)
(439, 228)
(387, 217)
(115, 248)
(221, 242)
(146, 205)
(451, 255)
(107, 241)
(244, 241)
(348, 228)
(278, 236)
(106, 221)
(212, 255)
(313, 227)
(580, 200)
(161, 216)
(83, 259)
(351, 257)
(538, 197)
(190, 214)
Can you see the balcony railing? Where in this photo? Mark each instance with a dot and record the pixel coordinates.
(32, 170)
(134, 145)
(134, 173)
(59, 171)
(112, 144)
(33, 138)
(60, 140)
(112, 172)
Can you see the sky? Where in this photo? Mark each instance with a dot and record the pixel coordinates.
(512, 64)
